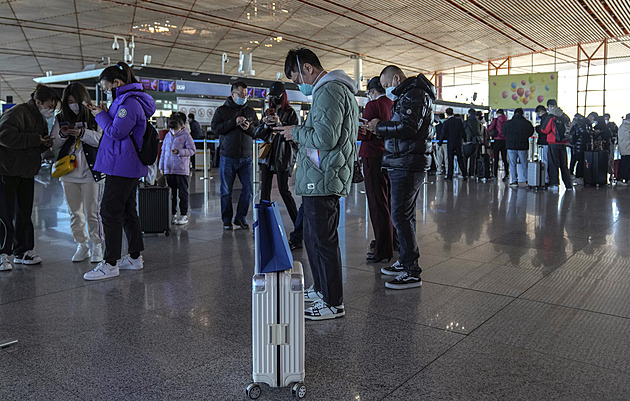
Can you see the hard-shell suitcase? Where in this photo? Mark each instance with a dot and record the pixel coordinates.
(595, 167)
(536, 174)
(484, 167)
(278, 331)
(154, 209)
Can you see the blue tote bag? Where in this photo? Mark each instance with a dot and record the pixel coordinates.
(272, 247)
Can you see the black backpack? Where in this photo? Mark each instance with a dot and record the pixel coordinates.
(562, 129)
(150, 145)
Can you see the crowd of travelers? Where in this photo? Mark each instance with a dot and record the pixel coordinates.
(399, 134)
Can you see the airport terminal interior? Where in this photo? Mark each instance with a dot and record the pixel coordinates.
(525, 291)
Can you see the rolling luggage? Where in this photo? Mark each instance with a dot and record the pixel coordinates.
(278, 356)
(596, 167)
(536, 174)
(484, 166)
(154, 209)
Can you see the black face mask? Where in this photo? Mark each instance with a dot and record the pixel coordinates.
(274, 100)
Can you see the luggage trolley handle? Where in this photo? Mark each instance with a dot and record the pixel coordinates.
(278, 334)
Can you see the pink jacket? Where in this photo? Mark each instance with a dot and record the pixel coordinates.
(178, 164)
(497, 124)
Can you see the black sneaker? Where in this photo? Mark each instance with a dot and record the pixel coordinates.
(227, 226)
(404, 281)
(293, 245)
(392, 270)
(320, 310)
(242, 224)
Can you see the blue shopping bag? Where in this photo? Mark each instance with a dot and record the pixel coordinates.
(272, 247)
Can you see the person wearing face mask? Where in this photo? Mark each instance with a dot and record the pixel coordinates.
(326, 152)
(177, 148)
(281, 158)
(23, 138)
(75, 131)
(377, 187)
(234, 122)
(406, 157)
(118, 159)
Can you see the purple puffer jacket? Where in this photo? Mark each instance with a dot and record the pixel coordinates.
(179, 163)
(128, 113)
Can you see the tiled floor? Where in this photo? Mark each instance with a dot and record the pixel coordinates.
(526, 296)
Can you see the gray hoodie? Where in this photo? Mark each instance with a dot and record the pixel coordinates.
(339, 76)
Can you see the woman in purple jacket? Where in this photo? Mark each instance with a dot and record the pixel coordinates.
(177, 148)
(117, 158)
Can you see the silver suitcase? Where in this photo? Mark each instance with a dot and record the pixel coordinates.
(278, 331)
(536, 174)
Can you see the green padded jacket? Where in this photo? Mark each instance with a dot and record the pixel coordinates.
(327, 139)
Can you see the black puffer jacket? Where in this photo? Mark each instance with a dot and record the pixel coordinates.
(517, 132)
(407, 146)
(581, 133)
(21, 129)
(283, 153)
(233, 140)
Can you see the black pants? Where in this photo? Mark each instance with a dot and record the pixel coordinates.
(499, 148)
(558, 160)
(321, 218)
(378, 191)
(16, 205)
(297, 236)
(118, 211)
(282, 177)
(179, 186)
(452, 152)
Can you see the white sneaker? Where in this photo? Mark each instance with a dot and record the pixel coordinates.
(102, 271)
(27, 258)
(129, 263)
(5, 264)
(174, 219)
(182, 220)
(310, 295)
(82, 253)
(97, 253)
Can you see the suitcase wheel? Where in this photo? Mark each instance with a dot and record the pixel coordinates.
(253, 391)
(167, 232)
(299, 390)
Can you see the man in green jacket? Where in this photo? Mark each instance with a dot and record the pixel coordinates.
(23, 138)
(326, 143)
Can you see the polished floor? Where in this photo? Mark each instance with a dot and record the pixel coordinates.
(526, 296)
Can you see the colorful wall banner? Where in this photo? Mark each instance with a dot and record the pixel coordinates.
(522, 90)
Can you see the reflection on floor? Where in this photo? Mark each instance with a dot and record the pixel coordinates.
(526, 296)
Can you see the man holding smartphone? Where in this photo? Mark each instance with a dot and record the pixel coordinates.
(234, 122)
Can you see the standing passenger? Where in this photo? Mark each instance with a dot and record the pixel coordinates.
(498, 146)
(23, 138)
(118, 159)
(326, 143)
(406, 157)
(623, 170)
(75, 131)
(234, 122)
(377, 185)
(453, 133)
(517, 132)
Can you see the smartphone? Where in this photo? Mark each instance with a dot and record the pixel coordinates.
(363, 120)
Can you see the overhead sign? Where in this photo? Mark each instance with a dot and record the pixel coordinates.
(203, 109)
(522, 90)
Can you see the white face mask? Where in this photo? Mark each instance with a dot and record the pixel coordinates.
(74, 107)
(47, 113)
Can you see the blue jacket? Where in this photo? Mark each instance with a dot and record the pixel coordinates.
(128, 113)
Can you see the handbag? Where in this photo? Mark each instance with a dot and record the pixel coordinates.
(65, 164)
(272, 245)
(263, 150)
(357, 174)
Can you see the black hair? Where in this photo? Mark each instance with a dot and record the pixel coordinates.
(304, 56)
(606, 115)
(119, 71)
(501, 111)
(593, 114)
(540, 108)
(471, 111)
(449, 111)
(552, 102)
(80, 94)
(519, 111)
(179, 117)
(238, 84)
(391, 70)
(191, 116)
(375, 83)
(44, 93)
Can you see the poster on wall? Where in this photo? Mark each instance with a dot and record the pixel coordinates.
(522, 90)
(203, 109)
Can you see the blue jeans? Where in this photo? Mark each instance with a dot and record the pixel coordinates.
(405, 188)
(229, 168)
(518, 165)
